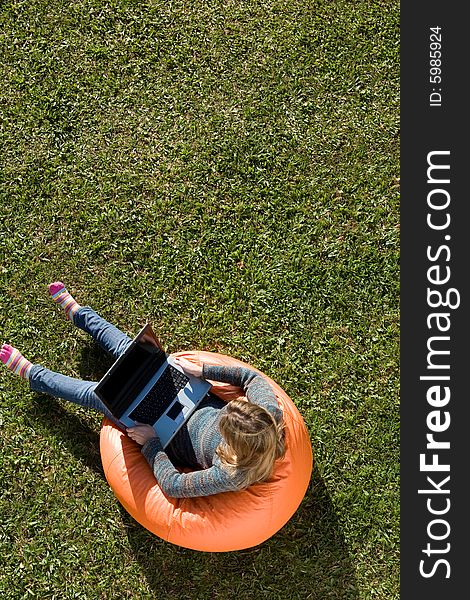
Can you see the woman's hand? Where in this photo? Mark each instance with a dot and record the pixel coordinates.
(141, 433)
(188, 367)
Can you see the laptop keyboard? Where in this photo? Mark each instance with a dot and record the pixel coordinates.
(160, 396)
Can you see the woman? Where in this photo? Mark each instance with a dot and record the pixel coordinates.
(229, 446)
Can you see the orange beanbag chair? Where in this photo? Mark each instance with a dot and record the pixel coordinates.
(223, 522)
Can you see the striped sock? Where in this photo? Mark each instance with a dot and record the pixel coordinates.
(15, 361)
(61, 296)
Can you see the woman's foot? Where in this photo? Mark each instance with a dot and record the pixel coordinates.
(15, 361)
(61, 296)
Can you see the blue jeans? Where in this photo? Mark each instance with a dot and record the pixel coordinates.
(76, 390)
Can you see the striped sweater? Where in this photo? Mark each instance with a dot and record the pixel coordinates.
(194, 446)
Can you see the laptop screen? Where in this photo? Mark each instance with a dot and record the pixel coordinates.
(131, 373)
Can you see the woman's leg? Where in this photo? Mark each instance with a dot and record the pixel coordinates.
(108, 336)
(55, 384)
(74, 390)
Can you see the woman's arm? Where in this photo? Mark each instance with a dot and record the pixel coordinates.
(255, 386)
(186, 485)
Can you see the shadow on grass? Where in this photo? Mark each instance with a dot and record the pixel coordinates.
(80, 438)
(307, 559)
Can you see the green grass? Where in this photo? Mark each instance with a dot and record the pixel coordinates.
(228, 171)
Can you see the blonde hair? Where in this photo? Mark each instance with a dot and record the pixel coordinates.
(253, 441)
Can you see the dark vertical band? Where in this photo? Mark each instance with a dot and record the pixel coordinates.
(435, 403)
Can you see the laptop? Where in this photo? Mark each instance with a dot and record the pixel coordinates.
(145, 385)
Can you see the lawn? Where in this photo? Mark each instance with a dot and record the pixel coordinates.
(228, 171)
